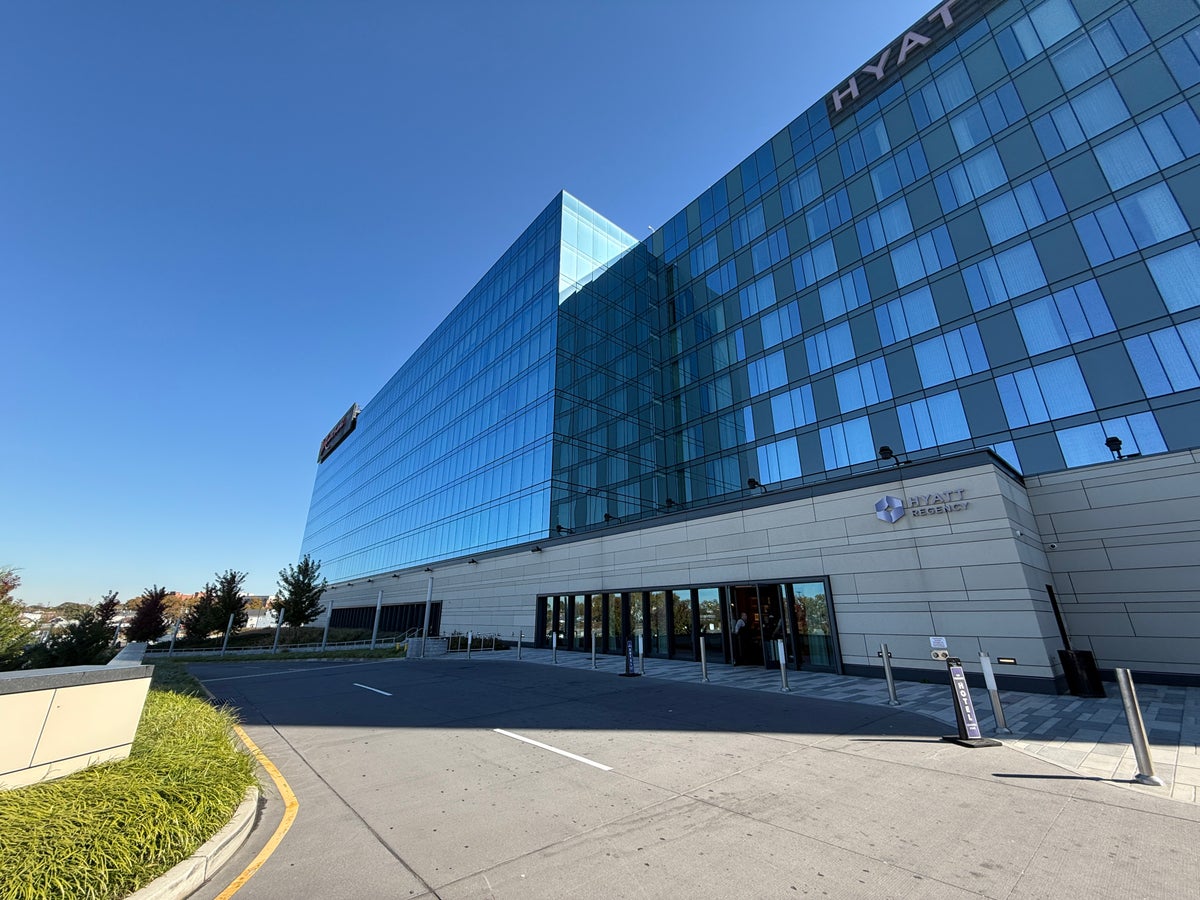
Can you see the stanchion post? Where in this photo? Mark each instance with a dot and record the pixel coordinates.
(470, 636)
(989, 678)
(520, 641)
(886, 656)
(642, 652)
(703, 661)
(554, 647)
(1137, 731)
(378, 612)
(781, 652)
(228, 628)
(593, 649)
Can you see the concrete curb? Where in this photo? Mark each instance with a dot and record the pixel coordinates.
(190, 874)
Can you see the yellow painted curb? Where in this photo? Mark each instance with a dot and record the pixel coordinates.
(290, 807)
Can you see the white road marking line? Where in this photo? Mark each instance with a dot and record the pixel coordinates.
(274, 672)
(582, 759)
(376, 690)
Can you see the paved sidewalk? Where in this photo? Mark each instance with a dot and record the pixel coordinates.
(1086, 735)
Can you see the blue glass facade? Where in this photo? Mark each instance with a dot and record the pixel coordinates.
(986, 238)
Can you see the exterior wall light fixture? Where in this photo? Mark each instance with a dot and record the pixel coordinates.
(563, 530)
(755, 484)
(886, 453)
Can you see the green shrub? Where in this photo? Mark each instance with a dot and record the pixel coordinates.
(108, 830)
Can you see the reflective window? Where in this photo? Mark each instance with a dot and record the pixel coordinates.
(844, 294)
(778, 461)
(748, 226)
(1136, 222)
(1167, 360)
(800, 191)
(1090, 114)
(827, 348)
(767, 373)
(1025, 207)
(909, 314)
(770, 250)
(972, 178)
(1147, 148)
(1085, 445)
(1177, 275)
(991, 115)
(946, 357)
(780, 324)
(933, 421)
(1070, 315)
(757, 296)
(929, 253)
(948, 90)
(811, 266)
(703, 257)
(1029, 35)
(1118, 36)
(1008, 274)
(1182, 57)
(827, 215)
(793, 409)
(1040, 393)
(847, 443)
(899, 171)
(862, 386)
(723, 279)
(864, 146)
(889, 223)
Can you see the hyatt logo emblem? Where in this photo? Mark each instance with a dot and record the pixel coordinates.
(889, 509)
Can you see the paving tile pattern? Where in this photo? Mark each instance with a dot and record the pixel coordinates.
(1087, 735)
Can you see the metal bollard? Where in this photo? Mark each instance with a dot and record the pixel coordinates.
(886, 656)
(1137, 731)
(228, 629)
(520, 641)
(554, 647)
(703, 661)
(779, 649)
(989, 679)
(642, 652)
(469, 637)
(593, 649)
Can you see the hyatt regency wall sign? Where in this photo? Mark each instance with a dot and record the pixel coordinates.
(339, 433)
(892, 509)
(931, 32)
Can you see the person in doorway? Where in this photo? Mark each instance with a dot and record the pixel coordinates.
(741, 634)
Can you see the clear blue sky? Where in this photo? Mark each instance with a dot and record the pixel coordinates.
(221, 223)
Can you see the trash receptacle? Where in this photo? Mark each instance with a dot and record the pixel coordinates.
(1083, 677)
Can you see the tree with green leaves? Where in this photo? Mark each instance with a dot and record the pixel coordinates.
(85, 642)
(150, 616)
(72, 610)
(201, 618)
(9, 582)
(15, 633)
(300, 588)
(230, 601)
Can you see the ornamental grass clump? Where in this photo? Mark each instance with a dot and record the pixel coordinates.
(102, 833)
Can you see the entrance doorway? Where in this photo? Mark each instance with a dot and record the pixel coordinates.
(674, 623)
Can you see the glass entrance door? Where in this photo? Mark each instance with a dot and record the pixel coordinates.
(772, 622)
(813, 617)
(744, 626)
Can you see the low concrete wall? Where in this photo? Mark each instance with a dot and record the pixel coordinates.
(58, 721)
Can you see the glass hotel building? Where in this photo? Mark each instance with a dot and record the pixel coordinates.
(864, 388)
